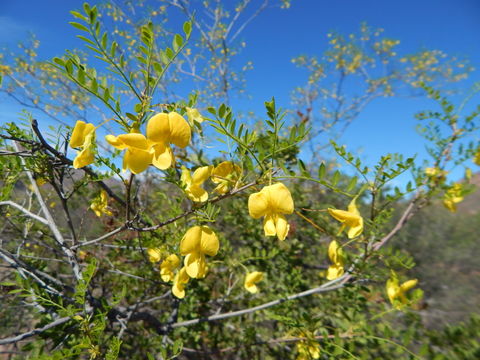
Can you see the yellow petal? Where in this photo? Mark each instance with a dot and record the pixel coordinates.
(221, 188)
(209, 243)
(137, 160)
(343, 216)
(83, 158)
(251, 279)
(158, 128)
(115, 142)
(282, 227)
(163, 156)
(178, 288)
(269, 225)
(257, 205)
(201, 175)
(356, 229)
(333, 250)
(279, 198)
(222, 171)
(392, 289)
(195, 265)
(186, 177)
(80, 131)
(196, 193)
(407, 285)
(191, 240)
(154, 255)
(134, 140)
(334, 271)
(180, 132)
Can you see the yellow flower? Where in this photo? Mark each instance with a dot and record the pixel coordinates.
(350, 218)
(476, 159)
(396, 292)
(337, 257)
(453, 196)
(193, 184)
(83, 136)
(272, 202)
(168, 265)
(197, 242)
(137, 156)
(178, 288)
(435, 174)
(194, 115)
(225, 174)
(164, 129)
(154, 254)
(100, 205)
(308, 349)
(251, 279)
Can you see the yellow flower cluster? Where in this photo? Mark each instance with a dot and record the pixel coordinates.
(308, 349)
(100, 205)
(396, 292)
(197, 242)
(453, 196)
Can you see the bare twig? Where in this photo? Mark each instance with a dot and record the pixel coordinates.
(26, 335)
(25, 211)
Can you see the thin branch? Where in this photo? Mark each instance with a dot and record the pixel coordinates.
(34, 332)
(25, 211)
(329, 286)
(103, 237)
(53, 226)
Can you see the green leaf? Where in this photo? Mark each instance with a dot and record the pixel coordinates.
(59, 61)
(104, 40)
(335, 178)
(177, 42)
(187, 28)
(352, 183)
(79, 26)
(321, 171)
(94, 86)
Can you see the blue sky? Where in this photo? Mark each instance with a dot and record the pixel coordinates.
(276, 36)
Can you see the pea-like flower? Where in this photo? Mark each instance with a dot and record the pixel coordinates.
(251, 280)
(436, 175)
(193, 183)
(225, 175)
(138, 155)
(197, 242)
(179, 282)
(194, 116)
(452, 197)
(396, 293)
(337, 257)
(100, 205)
(272, 202)
(350, 218)
(83, 136)
(170, 263)
(163, 130)
(154, 254)
(308, 349)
